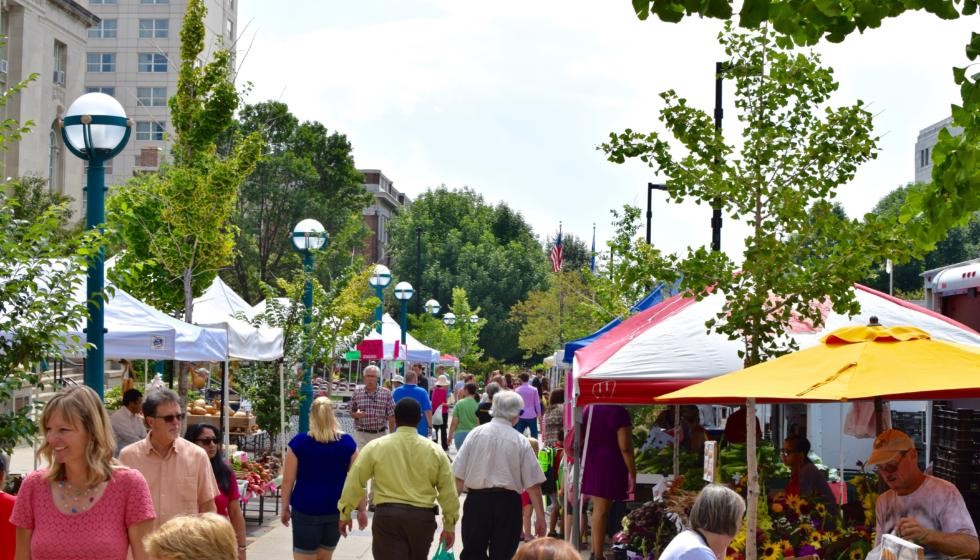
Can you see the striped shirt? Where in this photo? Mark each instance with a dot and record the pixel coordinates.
(377, 406)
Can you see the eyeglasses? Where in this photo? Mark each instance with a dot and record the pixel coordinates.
(179, 417)
(206, 441)
(891, 466)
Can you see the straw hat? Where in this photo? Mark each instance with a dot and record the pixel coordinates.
(442, 381)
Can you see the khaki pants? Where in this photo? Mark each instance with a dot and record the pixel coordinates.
(362, 439)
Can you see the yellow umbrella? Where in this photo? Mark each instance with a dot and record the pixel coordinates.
(851, 363)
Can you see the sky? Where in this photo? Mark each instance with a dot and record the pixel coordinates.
(512, 98)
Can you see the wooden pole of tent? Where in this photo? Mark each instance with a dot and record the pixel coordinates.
(225, 421)
(677, 440)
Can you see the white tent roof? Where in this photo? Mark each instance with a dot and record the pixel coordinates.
(259, 308)
(216, 308)
(136, 330)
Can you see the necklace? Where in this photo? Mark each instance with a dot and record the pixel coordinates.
(77, 500)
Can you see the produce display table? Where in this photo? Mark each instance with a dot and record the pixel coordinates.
(251, 505)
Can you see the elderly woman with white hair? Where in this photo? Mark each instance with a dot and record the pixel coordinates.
(494, 467)
(714, 520)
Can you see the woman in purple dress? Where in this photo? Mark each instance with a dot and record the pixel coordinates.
(610, 471)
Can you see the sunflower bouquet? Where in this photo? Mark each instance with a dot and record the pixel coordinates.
(793, 527)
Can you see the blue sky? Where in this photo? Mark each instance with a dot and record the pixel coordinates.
(511, 98)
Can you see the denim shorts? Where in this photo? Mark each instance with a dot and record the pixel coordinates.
(312, 532)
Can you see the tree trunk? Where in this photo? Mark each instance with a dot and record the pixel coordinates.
(183, 370)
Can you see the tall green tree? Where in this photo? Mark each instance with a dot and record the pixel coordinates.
(550, 317)
(305, 172)
(490, 251)
(796, 152)
(33, 199)
(177, 222)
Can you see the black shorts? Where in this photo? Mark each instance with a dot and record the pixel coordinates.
(312, 532)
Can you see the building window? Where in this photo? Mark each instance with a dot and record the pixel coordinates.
(110, 91)
(60, 63)
(151, 97)
(154, 1)
(106, 29)
(150, 130)
(230, 29)
(154, 28)
(100, 62)
(152, 62)
(54, 162)
(102, 1)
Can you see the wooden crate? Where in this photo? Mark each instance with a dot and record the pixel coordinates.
(236, 424)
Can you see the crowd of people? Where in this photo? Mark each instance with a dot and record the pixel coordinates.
(128, 489)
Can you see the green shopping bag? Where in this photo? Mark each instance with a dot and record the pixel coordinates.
(443, 554)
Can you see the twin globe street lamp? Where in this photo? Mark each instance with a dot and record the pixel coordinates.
(379, 280)
(309, 236)
(95, 129)
(404, 292)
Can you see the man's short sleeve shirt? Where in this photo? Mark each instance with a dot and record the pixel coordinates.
(936, 504)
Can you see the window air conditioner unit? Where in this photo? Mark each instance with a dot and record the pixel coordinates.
(59, 77)
(3, 66)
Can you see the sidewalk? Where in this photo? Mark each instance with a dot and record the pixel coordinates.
(278, 543)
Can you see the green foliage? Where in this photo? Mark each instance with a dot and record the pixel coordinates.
(490, 251)
(33, 199)
(806, 22)
(460, 340)
(550, 317)
(953, 197)
(259, 383)
(960, 244)
(305, 172)
(37, 304)
(797, 151)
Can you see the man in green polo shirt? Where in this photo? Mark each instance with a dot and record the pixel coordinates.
(410, 474)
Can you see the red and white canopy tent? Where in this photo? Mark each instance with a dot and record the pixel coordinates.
(667, 347)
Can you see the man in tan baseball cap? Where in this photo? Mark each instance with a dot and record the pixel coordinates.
(918, 507)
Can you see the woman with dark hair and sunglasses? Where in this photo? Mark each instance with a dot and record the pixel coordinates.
(805, 478)
(228, 501)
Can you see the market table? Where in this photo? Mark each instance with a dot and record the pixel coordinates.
(271, 488)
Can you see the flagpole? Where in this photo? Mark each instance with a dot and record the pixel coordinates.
(592, 267)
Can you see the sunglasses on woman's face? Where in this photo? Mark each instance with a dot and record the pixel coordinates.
(206, 441)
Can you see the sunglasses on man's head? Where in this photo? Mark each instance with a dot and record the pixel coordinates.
(179, 417)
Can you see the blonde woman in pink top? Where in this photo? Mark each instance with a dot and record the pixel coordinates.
(85, 504)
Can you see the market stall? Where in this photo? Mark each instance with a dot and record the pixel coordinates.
(666, 348)
(852, 363)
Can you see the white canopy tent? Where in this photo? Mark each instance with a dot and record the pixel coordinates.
(217, 307)
(136, 330)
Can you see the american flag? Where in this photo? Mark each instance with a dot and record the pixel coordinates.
(557, 254)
